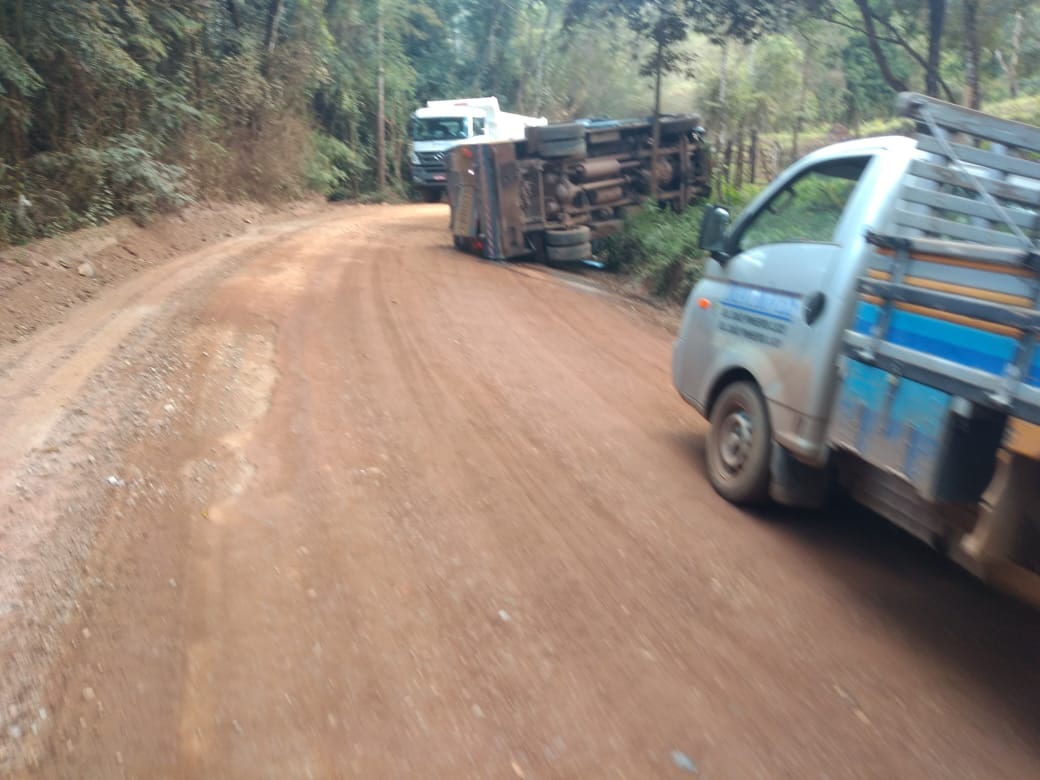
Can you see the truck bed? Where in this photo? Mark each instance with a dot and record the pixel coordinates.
(942, 350)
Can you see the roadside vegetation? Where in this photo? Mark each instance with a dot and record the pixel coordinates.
(659, 247)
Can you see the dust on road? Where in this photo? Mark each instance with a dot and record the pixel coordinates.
(331, 499)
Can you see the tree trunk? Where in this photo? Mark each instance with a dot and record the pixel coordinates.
(723, 89)
(380, 102)
(19, 26)
(490, 49)
(754, 155)
(232, 7)
(875, 47)
(936, 20)
(273, 19)
(738, 180)
(658, 67)
(539, 66)
(1009, 64)
(972, 96)
(803, 92)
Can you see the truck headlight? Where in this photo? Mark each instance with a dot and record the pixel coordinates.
(414, 158)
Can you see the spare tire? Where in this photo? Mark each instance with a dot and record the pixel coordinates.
(568, 236)
(567, 148)
(568, 254)
(568, 131)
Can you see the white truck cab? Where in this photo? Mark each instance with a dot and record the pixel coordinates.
(443, 124)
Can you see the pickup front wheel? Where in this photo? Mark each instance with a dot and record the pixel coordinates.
(738, 445)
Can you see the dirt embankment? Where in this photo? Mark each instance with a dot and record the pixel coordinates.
(42, 281)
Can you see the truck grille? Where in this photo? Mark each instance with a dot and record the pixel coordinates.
(433, 161)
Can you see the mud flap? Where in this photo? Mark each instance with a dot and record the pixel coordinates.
(795, 484)
(1002, 549)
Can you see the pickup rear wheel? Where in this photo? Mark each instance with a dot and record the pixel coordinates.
(738, 445)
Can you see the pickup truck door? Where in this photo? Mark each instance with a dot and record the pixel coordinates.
(776, 309)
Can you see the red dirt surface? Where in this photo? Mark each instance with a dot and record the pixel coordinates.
(328, 498)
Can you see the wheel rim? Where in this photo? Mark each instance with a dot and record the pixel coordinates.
(736, 435)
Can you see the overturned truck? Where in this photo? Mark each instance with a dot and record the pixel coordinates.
(552, 194)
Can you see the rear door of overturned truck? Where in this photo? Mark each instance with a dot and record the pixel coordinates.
(566, 185)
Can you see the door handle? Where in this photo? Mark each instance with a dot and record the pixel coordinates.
(813, 306)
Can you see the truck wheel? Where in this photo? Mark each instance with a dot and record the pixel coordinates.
(738, 445)
(431, 196)
(568, 254)
(678, 125)
(568, 131)
(567, 148)
(568, 236)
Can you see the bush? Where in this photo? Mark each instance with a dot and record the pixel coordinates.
(334, 169)
(60, 191)
(660, 247)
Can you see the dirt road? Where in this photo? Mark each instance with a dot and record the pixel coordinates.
(330, 499)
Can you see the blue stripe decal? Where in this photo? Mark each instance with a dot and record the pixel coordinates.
(962, 344)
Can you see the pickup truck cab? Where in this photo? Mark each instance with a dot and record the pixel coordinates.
(872, 319)
(773, 302)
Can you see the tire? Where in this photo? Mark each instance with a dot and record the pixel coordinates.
(461, 244)
(739, 444)
(432, 196)
(568, 131)
(568, 236)
(566, 148)
(568, 254)
(678, 126)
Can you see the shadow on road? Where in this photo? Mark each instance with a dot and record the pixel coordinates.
(918, 594)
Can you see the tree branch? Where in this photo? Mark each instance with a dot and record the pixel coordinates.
(900, 41)
(857, 28)
(875, 48)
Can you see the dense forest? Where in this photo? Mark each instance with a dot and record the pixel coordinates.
(114, 107)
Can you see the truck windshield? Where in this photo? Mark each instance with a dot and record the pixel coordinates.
(438, 128)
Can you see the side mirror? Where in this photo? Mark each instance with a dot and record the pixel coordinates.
(713, 231)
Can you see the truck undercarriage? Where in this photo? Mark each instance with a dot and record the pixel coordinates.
(566, 185)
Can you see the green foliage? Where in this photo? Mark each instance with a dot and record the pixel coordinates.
(15, 73)
(659, 247)
(129, 106)
(88, 186)
(334, 168)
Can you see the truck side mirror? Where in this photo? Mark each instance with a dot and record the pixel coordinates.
(713, 230)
